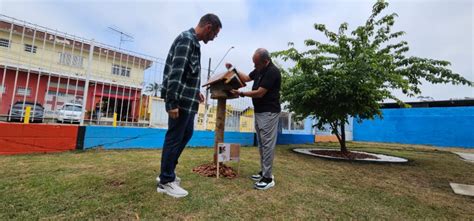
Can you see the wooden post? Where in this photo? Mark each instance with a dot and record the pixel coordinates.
(220, 125)
(217, 172)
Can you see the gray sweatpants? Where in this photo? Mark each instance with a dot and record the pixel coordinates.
(266, 127)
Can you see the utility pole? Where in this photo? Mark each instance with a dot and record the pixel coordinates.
(206, 106)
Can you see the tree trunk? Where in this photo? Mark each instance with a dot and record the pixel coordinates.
(342, 136)
(342, 141)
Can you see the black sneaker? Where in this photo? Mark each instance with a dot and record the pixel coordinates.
(259, 176)
(265, 183)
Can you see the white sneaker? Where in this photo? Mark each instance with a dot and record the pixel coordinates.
(177, 180)
(172, 189)
(260, 185)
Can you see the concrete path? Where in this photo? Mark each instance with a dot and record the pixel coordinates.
(469, 157)
(462, 189)
(380, 158)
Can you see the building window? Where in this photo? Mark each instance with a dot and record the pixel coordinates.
(60, 94)
(4, 43)
(64, 86)
(284, 120)
(121, 70)
(118, 92)
(30, 48)
(297, 125)
(23, 91)
(70, 59)
(2, 89)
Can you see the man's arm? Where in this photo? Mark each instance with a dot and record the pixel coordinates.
(260, 92)
(182, 52)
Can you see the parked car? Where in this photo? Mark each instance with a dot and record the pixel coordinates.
(18, 111)
(70, 113)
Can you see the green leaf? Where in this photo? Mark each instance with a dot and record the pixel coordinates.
(352, 74)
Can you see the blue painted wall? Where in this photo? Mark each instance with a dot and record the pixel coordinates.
(295, 138)
(440, 126)
(133, 137)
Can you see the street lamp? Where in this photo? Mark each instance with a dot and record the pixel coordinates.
(214, 71)
(206, 106)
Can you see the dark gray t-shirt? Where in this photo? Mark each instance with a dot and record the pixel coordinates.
(270, 79)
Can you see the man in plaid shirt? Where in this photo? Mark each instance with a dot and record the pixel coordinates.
(181, 84)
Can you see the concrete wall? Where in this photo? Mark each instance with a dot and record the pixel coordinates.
(295, 138)
(308, 127)
(443, 126)
(133, 137)
(130, 137)
(448, 126)
(17, 138)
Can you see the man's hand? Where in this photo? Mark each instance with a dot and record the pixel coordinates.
(174, 113)
(201, 98)
(228, 65)
(235, 92)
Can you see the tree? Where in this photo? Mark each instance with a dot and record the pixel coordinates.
(352, 73)
(153, 88)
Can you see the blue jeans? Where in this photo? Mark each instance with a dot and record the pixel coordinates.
(180, 131)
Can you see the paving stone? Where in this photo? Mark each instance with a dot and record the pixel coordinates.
(469, 157)
(462, 189)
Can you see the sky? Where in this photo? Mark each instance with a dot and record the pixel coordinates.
(434, 29)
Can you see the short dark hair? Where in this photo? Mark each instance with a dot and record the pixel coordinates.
(210, 19)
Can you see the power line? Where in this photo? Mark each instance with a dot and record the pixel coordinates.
(124, 37)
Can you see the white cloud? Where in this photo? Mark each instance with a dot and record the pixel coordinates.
(435, 29)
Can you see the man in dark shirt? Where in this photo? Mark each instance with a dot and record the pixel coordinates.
(265, 96)
(181, 84)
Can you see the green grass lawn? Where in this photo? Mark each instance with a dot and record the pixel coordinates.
(121, 185)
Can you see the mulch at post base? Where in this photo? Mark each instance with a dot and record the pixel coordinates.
(348, 155)
(210, 169)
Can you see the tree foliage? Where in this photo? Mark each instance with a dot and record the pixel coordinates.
(353, 72)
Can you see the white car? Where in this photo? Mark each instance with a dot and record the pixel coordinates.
(70, 113)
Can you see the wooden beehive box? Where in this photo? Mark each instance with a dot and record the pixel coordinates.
(221, 84)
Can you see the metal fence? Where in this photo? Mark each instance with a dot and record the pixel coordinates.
(64, 78)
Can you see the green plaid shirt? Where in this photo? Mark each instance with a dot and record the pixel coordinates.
(182, 73)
